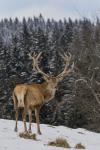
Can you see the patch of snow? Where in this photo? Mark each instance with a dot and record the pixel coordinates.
(10, 140)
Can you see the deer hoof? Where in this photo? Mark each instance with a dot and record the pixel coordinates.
(29, 131)
(15, 129)
(39, 132)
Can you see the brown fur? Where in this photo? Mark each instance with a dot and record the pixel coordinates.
(34, 96)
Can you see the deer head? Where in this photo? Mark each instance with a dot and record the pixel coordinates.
(53, 80)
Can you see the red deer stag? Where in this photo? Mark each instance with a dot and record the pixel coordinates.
(31, 97)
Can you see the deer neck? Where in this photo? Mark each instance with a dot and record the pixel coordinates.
(48, 91)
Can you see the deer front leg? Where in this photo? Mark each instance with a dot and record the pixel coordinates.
(24, 120)
(16, 117)
(30, 120)
(37, 111)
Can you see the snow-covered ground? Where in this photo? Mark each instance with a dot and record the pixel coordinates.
(10, 140)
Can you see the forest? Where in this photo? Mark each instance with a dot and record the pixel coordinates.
(77, 99)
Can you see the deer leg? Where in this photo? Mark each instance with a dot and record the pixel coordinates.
(37, 111)
(16, 116)
(24, 120)
(16, 111)
(30, 120)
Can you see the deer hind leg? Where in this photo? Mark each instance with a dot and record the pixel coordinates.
(24, 120)
(15, 101)
(30, 120)
(16, 117)
(37, 111)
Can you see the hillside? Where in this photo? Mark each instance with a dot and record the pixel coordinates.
(74, 105)
(10, 140)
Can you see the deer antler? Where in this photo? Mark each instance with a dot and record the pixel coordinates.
(67, 59)
(35, 59)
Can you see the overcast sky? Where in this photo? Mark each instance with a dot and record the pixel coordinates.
(57, 9)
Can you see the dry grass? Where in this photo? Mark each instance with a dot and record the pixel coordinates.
(27, 136)
(59, 142)
(51, 126)
(79, 146)
(80, 132)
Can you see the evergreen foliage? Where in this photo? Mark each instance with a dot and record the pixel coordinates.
(74, 106)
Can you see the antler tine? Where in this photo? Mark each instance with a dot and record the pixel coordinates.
(65, 57)
(67, 60)
(35, 59)
(35, 63)
(38, 69)
(38, 56)
(34, 55)
(30, 56)
(62, 56)
(72, 66)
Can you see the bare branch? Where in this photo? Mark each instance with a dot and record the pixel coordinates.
(90, 87)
